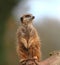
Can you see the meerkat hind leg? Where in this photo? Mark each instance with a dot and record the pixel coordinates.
(35, 57)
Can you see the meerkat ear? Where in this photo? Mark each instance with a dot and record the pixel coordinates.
(21, 19)
(33, 17)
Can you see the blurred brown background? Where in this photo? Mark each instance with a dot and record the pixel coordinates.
(48, 30)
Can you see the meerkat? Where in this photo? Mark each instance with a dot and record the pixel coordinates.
(57, 57)
(57, 52)
(28, 45)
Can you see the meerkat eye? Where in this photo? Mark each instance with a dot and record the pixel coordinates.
(21, 19)
(27, 16)
(50, 54)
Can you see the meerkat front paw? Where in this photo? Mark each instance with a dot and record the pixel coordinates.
(24, 42)
(30, 42)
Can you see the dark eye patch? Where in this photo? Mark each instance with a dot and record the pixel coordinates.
(27, 16)
(21, 19)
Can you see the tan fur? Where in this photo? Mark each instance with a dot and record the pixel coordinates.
(28, 40)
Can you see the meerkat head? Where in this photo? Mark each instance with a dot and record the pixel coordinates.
(54, 53)
(27, 19)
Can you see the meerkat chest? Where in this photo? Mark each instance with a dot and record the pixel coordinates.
(26, 32)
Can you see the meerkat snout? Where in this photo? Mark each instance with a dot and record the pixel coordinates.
(33, 17)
